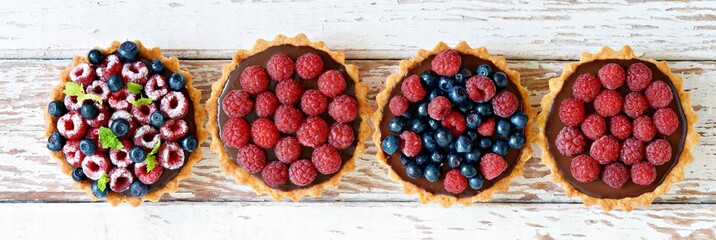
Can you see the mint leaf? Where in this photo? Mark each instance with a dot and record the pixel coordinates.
(90, 96)
(108, 139)
(156, 148)
(102, 182)
(134, 88)
(151, 158)
(142, 101)
(73, 89)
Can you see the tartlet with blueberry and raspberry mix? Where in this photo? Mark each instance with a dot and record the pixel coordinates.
(125, 123)
(288, 117)
(453, 126)
(617, 130)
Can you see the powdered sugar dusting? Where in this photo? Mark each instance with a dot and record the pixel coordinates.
(100, 89)
(122, 99)
(174, 105)
(72, 104)
(144, 132)
(174, 129)
(120, 179)
(156, 87)
(110, 67)
(77, 123)
(95, 166)
(135, 72)
(120, 157)
(82, 73)
(73, 155)
(171, 156)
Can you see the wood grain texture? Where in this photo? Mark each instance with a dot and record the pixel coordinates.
(27, 174)
(364, 29)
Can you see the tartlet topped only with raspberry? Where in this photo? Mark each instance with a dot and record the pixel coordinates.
(453, 126)
(288, 117)
(617, 130)
(125, 123)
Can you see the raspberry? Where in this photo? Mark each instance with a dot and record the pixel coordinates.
(313, 132)
(309, 66)
(251, 158)
(454, 181)
(100, 89)
(615, 175)
(280, 67)
(439, 108)
(398, 105)
(120, 179)
(289, 92)
(147, 137)
(142, 113)
(487, 128)
(340, 136)
(586, 87)
(254, 79)
(570, 141)
(174, 105)
(643, 173)
(82, 74)
(412, 89)
(156, 87)
(72, 126)
(584, 168)
(343, 108)
(658, 94)
(173, 130)
(95, 166)
(264, 133)
(275, 174)
(237, 103)
(72, 152)
(638, 77)
(608, 103)
(666, 121)
(120, 157)
(505, 104)
(594, 126)
(266, 104)
(605, 149)
(644, 128)
(455, 122)
(492, 165)
(140, 170)
(102, 118)
(612, 76)
(620, 127)
(111, 66)
(635, 104)
(326, 159)
(302, 172)
(288, 149)
(331, 83)
(236, 132)
(313, 102)
(571, 112)
(658, 152)
(121, 100)
(447, 62)
(480, 88)
(170, 156)
(411, 143)
(288, 119)
(135, 72)
(632, 151)
(72, 104)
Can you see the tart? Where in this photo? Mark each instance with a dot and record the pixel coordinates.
(617, 130)
(449, 134)
(288, 117)
(125, 123)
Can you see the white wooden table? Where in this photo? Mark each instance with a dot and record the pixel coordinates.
(37, 39)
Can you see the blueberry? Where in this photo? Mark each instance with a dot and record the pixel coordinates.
(500, 147)
(95, 56)
(463, 144)
(472, 121)
(97, 192)
(484, 70)
(516, 140)
(462, 76)
(78, 175)
(472, 135)
(475, 182)
(56, 108)
(519, 120)
(391, 144)
(422, 159)
(55, 142)
(434, 93)
(413, 170)
(454, 160)
(485, 143)
(429, 78)
(443, 137)
(473, 156)
(115, 83)
(189, 143)
(434, 124)
(138, 189)
(446, 83)
(88, 147)
(468, 170)
(176, 82)
(466, 107)
(484, 109)
(407, 114)
(128, 52)
(457, 94)
(89, 111)
(157, 118)
(500, 79)
(156, 66)
(423, 109)
(397, 125)
(503, 128)
(432, 173)
(418, 125)
(137, 154)
(120, 127)
(437, 157)
(429, 142)
(405, 159)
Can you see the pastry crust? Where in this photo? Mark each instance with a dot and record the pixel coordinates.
(530, 129)
(677, 172)
(240, 175)
(172, 185)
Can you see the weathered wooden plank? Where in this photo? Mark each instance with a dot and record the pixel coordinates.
(28, 174)
(364, 29)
